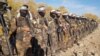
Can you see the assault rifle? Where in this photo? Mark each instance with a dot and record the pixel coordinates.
(30, 25)
(4, 8)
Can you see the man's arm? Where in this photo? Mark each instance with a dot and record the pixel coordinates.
(31, 17)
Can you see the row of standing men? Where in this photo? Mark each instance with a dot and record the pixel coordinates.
(47, 35)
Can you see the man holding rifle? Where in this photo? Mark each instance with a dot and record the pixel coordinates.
(3, 9)
(24, 30)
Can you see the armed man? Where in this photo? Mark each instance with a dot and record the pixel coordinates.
(24, 30)
(5, 9)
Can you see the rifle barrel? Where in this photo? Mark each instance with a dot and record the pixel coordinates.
(5, 29)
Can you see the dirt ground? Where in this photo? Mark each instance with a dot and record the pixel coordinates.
(89, 46)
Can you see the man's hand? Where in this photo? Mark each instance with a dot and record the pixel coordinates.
(26, 28)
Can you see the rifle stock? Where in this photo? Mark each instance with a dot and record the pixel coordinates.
(5, 29)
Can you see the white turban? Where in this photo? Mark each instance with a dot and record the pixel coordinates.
(53, 10)
(65, 14)
(41, 9)
(58, 12)
(23, 8)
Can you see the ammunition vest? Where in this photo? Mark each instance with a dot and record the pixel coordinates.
(21, 22)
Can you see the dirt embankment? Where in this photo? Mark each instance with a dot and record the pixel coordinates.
(89, 46)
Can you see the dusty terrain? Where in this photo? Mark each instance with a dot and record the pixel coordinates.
(89, 46)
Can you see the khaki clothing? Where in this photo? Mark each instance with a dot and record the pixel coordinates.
(23, 36)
